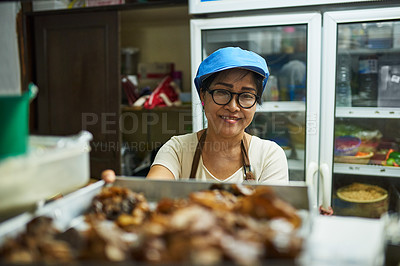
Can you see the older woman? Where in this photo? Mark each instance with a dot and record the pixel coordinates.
(229, 82)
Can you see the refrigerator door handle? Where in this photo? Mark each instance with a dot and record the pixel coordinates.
(325, 176)
(311, 182)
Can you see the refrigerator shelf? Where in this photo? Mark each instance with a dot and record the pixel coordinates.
(367, 112)
(365, 51)
(371, 170)
(296, 164)
(293, 106)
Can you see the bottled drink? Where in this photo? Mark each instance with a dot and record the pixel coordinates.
(368, 80)
(344, 36)
(343, 78)
(271, 92)
(292, 81)
(358, 36)
(288, 39)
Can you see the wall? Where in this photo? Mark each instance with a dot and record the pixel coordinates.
(9, 55)
(162, 35)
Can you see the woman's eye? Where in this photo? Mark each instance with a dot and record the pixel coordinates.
(221, 93)
(247, 96)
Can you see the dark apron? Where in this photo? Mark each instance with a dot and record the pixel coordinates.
(248, 174)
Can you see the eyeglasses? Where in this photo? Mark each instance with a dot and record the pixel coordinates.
(222, 97)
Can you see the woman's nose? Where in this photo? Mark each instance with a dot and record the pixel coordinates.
(233, 104)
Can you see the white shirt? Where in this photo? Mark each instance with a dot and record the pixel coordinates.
(267, 159)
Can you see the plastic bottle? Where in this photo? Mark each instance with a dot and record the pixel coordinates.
(343, 79)
(129, 60)
(358, 35)
(292, 78)
(271, 92)
(344, 36)
(368, 80)
(288, 39)
(396, 34)
(274, 88)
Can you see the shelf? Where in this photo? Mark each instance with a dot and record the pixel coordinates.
(368, 112)
(372, 170)
(296, 164)
(297, 106)
(180, 108)
(363, 51)
(119, 7)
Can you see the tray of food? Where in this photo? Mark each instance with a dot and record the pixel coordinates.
(362, 200)
(358, 158)
(150, 221)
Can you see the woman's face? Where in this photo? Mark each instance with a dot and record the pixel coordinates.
(231, 119)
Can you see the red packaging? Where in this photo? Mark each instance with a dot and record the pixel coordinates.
(163, 95)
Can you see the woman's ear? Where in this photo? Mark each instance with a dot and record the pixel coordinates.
(201, 94)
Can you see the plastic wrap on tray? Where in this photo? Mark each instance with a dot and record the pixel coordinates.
(370, 138)
(53, 165)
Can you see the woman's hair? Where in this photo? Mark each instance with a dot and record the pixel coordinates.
(258, 79)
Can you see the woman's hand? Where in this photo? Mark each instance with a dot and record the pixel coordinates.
(108, 176)
(327, 212)
(156, 172)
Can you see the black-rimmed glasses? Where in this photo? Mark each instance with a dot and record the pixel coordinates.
(244, 99)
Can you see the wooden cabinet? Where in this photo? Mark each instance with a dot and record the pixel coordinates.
(77, 71)
(77, 66)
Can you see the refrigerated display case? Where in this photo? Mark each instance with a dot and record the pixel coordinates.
(292, 98)
(364, 80)
(330, 78)
(213, 6)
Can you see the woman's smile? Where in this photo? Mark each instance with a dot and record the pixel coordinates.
(230, 119)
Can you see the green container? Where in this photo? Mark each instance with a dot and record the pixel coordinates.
(14, 119)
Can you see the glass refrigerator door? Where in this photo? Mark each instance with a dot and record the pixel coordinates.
(290, 44)
(361, 128)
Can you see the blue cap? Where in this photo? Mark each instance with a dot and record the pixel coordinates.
(228, 58)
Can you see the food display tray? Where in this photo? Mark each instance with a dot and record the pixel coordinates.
(296, 193)
(68, 211)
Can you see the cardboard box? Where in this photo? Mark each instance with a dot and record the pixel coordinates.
(40, 5)
(151, 74)
(104, 2)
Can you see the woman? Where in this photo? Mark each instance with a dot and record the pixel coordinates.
(229, 82)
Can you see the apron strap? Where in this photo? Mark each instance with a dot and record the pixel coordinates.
(248, 174)
(197, 154)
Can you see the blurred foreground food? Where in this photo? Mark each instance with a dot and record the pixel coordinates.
(244, 225)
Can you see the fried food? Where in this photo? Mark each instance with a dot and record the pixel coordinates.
(113, 202)
(359, 192)
(244, 225)
(263, 203)
(38, 243)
